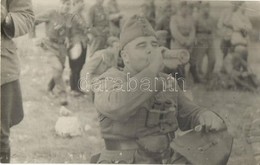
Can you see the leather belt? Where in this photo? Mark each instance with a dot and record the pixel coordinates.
(120, 144)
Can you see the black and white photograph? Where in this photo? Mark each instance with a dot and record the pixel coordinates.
(130, 82)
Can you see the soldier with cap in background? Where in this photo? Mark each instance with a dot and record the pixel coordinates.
(226, 29)
(182, 29)
(138, 125)
(164, 21)
(56, 44)
(17, 18)
(204, 25)
(148, 10)
(98, 23)
(115, 17)
(78, 43)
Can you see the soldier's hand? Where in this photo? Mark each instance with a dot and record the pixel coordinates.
(156, 60)
(211, 121)
(3, 13)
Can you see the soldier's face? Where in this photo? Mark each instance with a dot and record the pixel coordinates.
(65, 7)
(137, 53)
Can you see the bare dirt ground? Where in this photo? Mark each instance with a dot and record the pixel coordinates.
(34, 139)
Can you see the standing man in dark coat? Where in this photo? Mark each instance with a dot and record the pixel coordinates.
(17, 18)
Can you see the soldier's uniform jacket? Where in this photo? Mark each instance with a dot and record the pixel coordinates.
(241, 26)
(100, 62)
(182, 29)
(98, 21)
(225, 24)
(149, 13)
(132, 115)
(114, 17)
(57, 29)
(56, 24)
(204, 30)
(78, 26)
(22, 22)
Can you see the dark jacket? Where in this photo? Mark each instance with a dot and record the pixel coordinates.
(23, 19)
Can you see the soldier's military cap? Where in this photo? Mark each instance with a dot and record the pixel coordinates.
(136, 26)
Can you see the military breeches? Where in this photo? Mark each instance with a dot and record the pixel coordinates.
(225, 47)
(11, 114)
(76, 67)
(57, 65)
(196, 61)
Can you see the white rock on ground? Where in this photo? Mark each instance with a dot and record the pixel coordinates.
(68, 127)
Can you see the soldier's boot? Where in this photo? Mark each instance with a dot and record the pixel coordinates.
(63, 99)
(5, 157)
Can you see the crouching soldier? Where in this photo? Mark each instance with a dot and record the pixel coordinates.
(56, 44)
(100, 63)
(138, 118)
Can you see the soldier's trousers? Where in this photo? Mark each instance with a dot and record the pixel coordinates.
(57, 62)
(225, 46)
(76, 66)
(11, 114)
(199, 51)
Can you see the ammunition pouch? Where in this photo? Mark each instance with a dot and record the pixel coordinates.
(163, 118)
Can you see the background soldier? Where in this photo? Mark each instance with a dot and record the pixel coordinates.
(164, 23)
(148, 10)
(239, 39)
(115, 17)
(17, 18)
(183, 31)
(99, 27)
(142, 133)
(226, 29)
(57, 44)
(78, 43)
(204, 26)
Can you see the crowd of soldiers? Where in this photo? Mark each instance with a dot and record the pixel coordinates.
(138, 127)
(77, 31)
